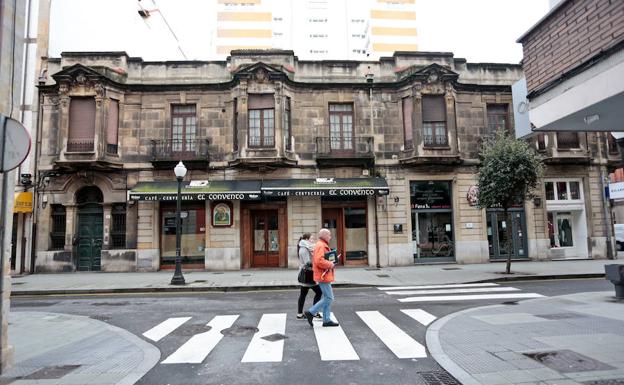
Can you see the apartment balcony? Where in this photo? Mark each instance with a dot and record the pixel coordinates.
(86, 154)
(166, 153)
(341, 151)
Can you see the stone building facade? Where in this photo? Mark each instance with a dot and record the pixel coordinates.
(383, 153)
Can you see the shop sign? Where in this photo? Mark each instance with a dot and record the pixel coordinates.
(325, 192)
(222, 214)
(193, 197)
(23, 202)
(430, 195)
(472, 196)
(616, 190)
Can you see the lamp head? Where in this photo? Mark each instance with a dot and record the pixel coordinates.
(180, 170)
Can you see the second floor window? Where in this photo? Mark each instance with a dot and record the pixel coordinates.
(57, 235)
(341, 127)
(81, 124)
(261, 120)
(567, 140)
(497, 118)
(434, 121)
(112, 128)
(287, 125)
(183, 128)
(408, 133)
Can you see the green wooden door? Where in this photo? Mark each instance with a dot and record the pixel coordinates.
(89, 242)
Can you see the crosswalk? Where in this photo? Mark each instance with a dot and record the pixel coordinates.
(269, 341)
(456, 292)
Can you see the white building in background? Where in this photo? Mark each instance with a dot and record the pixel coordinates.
(325, 29)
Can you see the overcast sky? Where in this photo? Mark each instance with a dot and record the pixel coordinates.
(478, 30)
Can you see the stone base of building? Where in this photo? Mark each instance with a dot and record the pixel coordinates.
(223, 259)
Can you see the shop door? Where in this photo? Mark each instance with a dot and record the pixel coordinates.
(89, 237)
(432, 236)
(498, 242)
(266, 242)
(333, 221)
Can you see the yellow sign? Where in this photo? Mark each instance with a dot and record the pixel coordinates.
(23, 202)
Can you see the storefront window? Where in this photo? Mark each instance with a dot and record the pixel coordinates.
(355, 234)
(562, 191)
(432, 220)
(560, 229)
(193, 235)
(575, 191)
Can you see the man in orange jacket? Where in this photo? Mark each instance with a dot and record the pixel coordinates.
(324, 275)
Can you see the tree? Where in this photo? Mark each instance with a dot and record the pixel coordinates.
(508, 174)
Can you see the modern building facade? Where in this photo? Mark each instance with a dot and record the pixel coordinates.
(277, 147)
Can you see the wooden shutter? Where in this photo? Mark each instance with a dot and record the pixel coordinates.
(81, 119)
(261, 101)
(113, 122)
(433, 108)
(408, 110)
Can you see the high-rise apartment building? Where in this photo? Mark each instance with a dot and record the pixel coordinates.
(317, 29)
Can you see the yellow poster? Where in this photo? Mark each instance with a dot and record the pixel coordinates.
(23, 202)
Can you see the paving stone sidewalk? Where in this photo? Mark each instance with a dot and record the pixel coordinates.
(566, 340)
(62, 349)
(67, 283)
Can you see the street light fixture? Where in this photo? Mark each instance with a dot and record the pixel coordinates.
(178, 278)
(370, 77)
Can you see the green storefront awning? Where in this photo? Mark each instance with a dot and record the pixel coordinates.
(197, 190)
(336, 187)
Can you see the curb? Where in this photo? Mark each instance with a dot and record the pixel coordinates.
(540, 277)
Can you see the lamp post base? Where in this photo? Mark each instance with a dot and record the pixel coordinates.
(178, 280)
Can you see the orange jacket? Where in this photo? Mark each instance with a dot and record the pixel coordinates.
(323, 269)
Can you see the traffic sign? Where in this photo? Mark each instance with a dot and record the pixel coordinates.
(14, 143)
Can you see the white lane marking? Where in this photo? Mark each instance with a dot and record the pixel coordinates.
(159, 331)
(261, 350)
(401, 344)
(420, 316)
(333, 343)
(196, 349)
(452, 291)
(454, 285)
(469, 297)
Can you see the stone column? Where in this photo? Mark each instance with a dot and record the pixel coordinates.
(71, 226)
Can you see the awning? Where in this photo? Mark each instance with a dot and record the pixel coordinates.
(23, 202)
(346, 187)
(197, 190)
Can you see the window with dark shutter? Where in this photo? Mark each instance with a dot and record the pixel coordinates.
(541, 142)
(497, 118)
(118, 226)
(235, 124)
(261, 111)
(57, 235)
(434, 121)
(287, 125)
(81, 124)
(612, 144)
(567, 140)
(408, 133)
(112, 129)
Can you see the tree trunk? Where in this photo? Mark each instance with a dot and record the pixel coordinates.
(509, 240)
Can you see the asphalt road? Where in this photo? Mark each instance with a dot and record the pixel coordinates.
(301, 361)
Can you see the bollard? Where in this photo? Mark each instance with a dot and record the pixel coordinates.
(615, 274)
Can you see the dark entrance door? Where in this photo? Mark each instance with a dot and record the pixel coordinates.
(333, 220)
(499, 244)
(89, 237)
(265, 238)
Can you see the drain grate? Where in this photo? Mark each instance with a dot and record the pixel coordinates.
(239, 331)
(560, 316)
(103, 318)
(510, 303)
(438, 378)
(274, 337)
(51, 372)
(383, 275)
(614, 381)
(245, 275)
(110, 304)
(199, 281)
(17, 283)
(32, 303)
(451, 268)
(191, 330)
(217, 272)
(568, 361)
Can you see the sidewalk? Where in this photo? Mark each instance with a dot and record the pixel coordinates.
(87, 282)
(53, 348)
(567, 340)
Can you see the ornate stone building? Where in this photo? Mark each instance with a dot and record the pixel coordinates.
(383, 153)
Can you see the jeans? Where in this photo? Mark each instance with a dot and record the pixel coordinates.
(325, 303)
(304, 293)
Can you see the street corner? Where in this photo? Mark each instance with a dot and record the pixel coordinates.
(75, 349)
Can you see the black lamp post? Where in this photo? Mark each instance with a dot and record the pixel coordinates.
(178, 278)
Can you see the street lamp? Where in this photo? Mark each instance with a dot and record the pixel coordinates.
(370, 76)
(178, 278)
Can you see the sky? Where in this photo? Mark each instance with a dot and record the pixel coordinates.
(478, 30)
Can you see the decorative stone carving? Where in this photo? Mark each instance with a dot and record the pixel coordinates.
(81, 79)
(99, 90)
(63, 88)
(261, 75)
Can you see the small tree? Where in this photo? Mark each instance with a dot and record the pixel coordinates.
(508, 174)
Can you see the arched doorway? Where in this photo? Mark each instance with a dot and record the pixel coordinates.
(90, 228)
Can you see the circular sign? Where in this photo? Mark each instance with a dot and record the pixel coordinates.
(14, 142)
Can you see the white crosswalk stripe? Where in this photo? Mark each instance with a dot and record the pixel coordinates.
(456, 292)
(401, 344)
(195, 350)
(261, 349)
(470, 297)
(161, 330)
(333, 343)
(452, 285)
(420, 316)
(452, 291)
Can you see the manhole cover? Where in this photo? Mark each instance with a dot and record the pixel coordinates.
(51, 372)
(101, 318)
(110, 303)
(32, 304)
(614, 381)
(438, 378)
(567, 361)
(191, 330)
(274, 337)
(383, 275)
(451, 268)
(558, 316)
(239, 331)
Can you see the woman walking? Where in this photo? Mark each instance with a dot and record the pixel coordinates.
(305, 246)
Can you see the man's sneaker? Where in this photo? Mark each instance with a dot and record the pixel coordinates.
(309, 316)
(330, 323)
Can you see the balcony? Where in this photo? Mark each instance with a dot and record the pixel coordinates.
(166, 153)
(341, 151)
